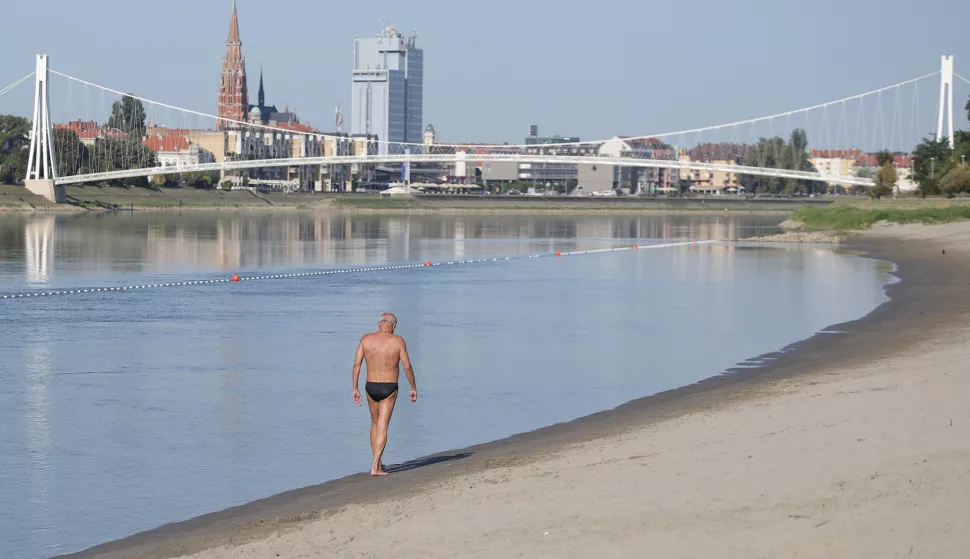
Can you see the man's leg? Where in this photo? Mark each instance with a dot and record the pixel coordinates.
(385, 409)
(374, 415)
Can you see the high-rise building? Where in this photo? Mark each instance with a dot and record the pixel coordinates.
(387, 97)
(233, 91)
(535, 140)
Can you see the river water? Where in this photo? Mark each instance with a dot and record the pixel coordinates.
(122, 411)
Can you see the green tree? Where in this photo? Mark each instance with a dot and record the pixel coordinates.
(957, 181)
(932, 159)
(775, 153)
(135, 181)
(200, 180)
(109, 154)
(71, 154)
(766, 153)
(128, 115)
(14, 131)
(928, 187)
(13, 167)
(961, 148)
(164, 181)
(884, 157)
(886, 179)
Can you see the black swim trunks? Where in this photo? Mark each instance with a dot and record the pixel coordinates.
(379, 391)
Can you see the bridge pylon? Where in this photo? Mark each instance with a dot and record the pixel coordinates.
(946, 100)
(42, 163)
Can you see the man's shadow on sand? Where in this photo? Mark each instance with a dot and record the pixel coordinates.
(423, 462)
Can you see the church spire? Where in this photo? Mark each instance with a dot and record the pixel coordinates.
(234, 25)
(233, 89)
(262, 94)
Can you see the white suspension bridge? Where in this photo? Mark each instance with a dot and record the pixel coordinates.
(878, 119)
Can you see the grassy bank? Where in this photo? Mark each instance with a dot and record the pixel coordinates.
(111, 197)
(848, 217)
(843, 213)
(100, 198)
(18, 198)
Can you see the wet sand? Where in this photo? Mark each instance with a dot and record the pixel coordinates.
(851, 444)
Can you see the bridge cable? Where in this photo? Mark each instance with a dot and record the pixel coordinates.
(915, 124)
(788, 113)
(16, 83)
(418, 146)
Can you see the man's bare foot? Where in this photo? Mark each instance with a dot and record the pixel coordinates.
(378, 473)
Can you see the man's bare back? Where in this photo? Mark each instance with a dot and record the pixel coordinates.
(384, 353)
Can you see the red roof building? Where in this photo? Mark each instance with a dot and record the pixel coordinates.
(166, 144)
(88, 131)
(152, 130)
(861, 158)
(295, 127)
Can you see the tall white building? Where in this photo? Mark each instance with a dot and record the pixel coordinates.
(388, 96)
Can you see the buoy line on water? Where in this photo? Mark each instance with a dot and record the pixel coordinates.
(425, 264)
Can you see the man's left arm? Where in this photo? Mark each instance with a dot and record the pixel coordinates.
(408, 370)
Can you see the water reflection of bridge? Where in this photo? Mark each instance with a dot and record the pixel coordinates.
(39, 249)
(166, 243)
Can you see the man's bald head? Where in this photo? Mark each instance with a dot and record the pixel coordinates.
(388, 321)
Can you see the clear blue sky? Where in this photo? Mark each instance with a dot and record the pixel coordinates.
(591, 69)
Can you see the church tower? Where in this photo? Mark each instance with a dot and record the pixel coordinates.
(233, 91)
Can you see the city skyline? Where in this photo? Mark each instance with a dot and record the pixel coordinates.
(474, 93)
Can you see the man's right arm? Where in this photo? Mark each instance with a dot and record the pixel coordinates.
(408, 370)
(358, 360)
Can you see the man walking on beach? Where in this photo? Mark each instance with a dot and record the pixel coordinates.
(383, 352)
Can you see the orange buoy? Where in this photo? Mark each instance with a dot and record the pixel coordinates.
(635, 247)
(427, 262)
(558, 253)
(235, 278)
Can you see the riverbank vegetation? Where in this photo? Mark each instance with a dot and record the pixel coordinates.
(853, 217)
(941, 169)
(776, 153)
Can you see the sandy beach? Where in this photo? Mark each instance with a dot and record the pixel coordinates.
(854, 444)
